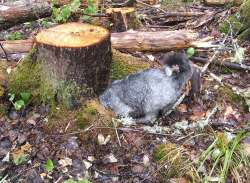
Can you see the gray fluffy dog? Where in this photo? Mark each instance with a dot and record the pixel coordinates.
(145, 94)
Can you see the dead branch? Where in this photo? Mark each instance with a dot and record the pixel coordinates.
(225, 63)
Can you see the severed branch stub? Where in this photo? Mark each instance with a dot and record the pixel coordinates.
(123, 18)
(77, 53)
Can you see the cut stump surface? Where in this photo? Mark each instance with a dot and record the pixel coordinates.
(76, 52)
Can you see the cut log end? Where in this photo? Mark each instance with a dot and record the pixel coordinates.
(72, 35)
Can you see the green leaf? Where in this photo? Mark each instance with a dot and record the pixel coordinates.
(65, 13)
(25, 96)
(79, 181)
(190, 52)
(19, 104)
(74, 5)
(20, 159)
(12, 97)
(49, 166)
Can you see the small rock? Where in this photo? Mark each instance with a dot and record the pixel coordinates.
(137, 169)
(65, 162)
(21, 139)
(12, 135)
(109, 159)
(87, 164)
(31, 121)
(13, 115)
(3, 152)
(32, 177)
(146, 160)
(72, 144)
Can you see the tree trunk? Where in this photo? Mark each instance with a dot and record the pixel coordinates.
(76, 53)
(19, 13)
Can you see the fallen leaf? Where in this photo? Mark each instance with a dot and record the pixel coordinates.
(178, 180)
(182, 108)
(65, 162)
(87, 164)
(146, 160)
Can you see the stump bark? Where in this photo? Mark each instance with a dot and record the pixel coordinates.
(123, 18)
(75, 52)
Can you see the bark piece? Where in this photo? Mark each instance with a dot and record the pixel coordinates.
(123, 18)
(17, 46)
(75, 52)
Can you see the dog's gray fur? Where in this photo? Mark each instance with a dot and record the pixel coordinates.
(145, 94)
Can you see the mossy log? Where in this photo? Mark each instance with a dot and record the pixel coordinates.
(76, 53)
(123, 18)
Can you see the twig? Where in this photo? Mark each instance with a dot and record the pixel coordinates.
(177, 103)
(205, 67)
(117, 135)
(126, 3)
(226, 64)
(178, 14)
(145, 4)
(6, 56)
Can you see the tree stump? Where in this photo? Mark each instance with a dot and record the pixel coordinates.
(76, 53)
(123, 18)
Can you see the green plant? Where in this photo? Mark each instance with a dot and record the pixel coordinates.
(226, 156)
(190, 52)
(62, 14)
(78, 181)
(173, 161)
(19, 103)
(3, 179)
(19, 159)
(49, 165)
(45, 23)
(14, 36)
(90, 10)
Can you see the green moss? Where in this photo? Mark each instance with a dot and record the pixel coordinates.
(86, 115)
(245, 13)
(123, 65)
(3, 110)
(26, 78)
(229, 95)
(245, 35)
(233, 21)
(2, 90)
(30, 76)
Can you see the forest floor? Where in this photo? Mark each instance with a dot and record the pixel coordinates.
(120, 153)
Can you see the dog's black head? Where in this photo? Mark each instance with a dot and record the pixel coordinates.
(177, 61)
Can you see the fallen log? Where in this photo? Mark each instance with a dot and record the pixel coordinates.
(17, 46)
(154, 41)
(13, 14)
(221, 2)
(140, 41)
